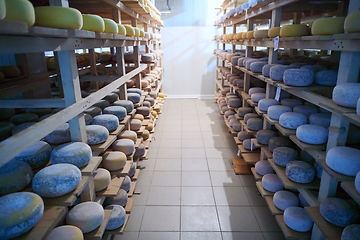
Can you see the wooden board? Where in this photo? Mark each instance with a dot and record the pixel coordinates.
(119, 230)
(244, 150)
(132, 189)
(240, 166)
(267, 152)
(131, 156)
(257, 144)
(252, 103)
(98, 233)
(100, 148)
(132, 113)
(257, 176)
(329, 230)
(273, 209)
(92, 166)
(147, 142)
(262, 190)
(251, 158)
(284, 131)
(238, 117)
(289, 233)
(338, 176)
(145, 122)
(349, 187)
(124, 171)
(125, 120)
(136, 175)
(259, 112)
(245, 95)
(113, 188)
(118, 130)
(138, 142)
(141, 131)
(129, 205)
(237, 141)
(139, 104)
(305, 146)
(269, 120)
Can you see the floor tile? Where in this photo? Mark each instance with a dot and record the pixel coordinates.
(171, 135)
(192, 143)
(152, 153)
(147, 165)
(218, 164)
(225, 179)
(172, 128)
(237, 219)
(195, 179)
(215, 142)
(192, 153)
(201, 236)
(134, 222)
(144, 179)
(194, 165)
(140, 199)
(168, 165)
(169, 153)
(163, 196)
(199, 218)
(161, 218)
(274, 236)
(175, 123)
(197, 196)
(191, 135)
(266, 220)
(242, 236)
(166, 179)
(127, 236)
(192, 127)
(173, 143)
(217, 153)
(248, 180)
(254, 196)
(159, 236)
(230, 196)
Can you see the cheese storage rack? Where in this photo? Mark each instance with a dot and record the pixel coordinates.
(29, 45)
(346, 47)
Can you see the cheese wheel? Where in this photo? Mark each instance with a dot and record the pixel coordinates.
(298, 219)
(117, 217)
(314, 68)
(338, 211)
(110, 122)
(298, 77)
(292, 120)
(37, 155)
(294, 30)
(274, 32)
(6, 130)
(20, 10)
(235, 103)
(248, 62)
(321, 119)
(142, 33)
(19, 213)
(250, 35)
(135, 124)
(128, 105)
(114, 160)
(249, 116)
(351, 232)
(58, 17)
(264, 135)
(118, 111)
(265, 103)
(96, 134)
(87, 216)
(128, 134)
(344, 160)
(244, 110)
(256, 97)
(93, 111)
(272, 182)
(139, 116)
(274, 112)
(120, 199)
(300, 172)
(243, 135)
(23, 118)
(352, 22)
(328, 26)
(326, 78)
(102, 179)
(284, 155)
(65, 232)
(255, 124)
(145, 111)
(257, 66)
(102, 104)
(260, 34)
(279, 142)
(59, 135)
(291, 102)
(140, 151)
(346, 94)
(10, 71)
(112, 97)
(137, 32)
(135, 90)
(284, 199)
(121, 29)
(134, 97)
(126, 184)
(130, 32)
(312, 134)
(229, 113)
(248, 145)
(39, 111)
(263, 167)
(110, 26)
(93, 23)
(14, 176)
(277, 72)
(76, 153)
(126, 146)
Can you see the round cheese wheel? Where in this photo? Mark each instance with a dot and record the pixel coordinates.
(244, 110)
(274, 112)
(229, 113)
(256, 97)
(249, 116)
(37, 155)
(93, 111)
(139, 116)
(266, 69)
(284, 155)
(235, 102)
(345, 94)
(6, 129)
(132, 169)
(312, 134)
(247, 143)
(298, 77)
(135, 124)
(292, 120)
(59, 135)
(284, 199)
(279, 142)
(134, 97)
(321, 119)
(23, 118)
(120, 199)
(130, 31)
(257, 66)
(19, 213)
(240, 62)
(128, 134)
(58, 17)
(264, 135)
(114, 160)
(137, 32)
(298, 219)
(39, 111)
(87, 216)
(344, 160)
(338, 211)
(14, 176)
(110, 122)
(357, 182)
(135, 90)
(291, 102)
(260, 34)
(126, 146)
(121, 29)
(96, 134)
(300, 172)
(102, 104)
(277, 72)
(250, 35)
(110, 26)
(314, 68)
(117, 217)
(328, 26)
(234, 60)
(274, 32)
(76, 153)
(102, 179)
(236, 126)
(255, 124)
(351, 232)
(93, 23)
(65, 232)
(126, 184)
(263, 167)
(351, 24)
(243, 135)
(272, 182)
(128, 105)
(142, 33)
(326, 78)
(265, 103)
(112, 97)
(119, 111)
(249, 61)
(56, 180)
(140, 151)
(145, 111)
(307, 110)
(294, 30)
(20, 10)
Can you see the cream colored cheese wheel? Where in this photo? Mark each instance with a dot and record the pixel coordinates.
(20, 10)
(294, 30)
(121, 29)
(137, 32)
(274, 32)
(114, 160)
(130, 31)
(58, 17)
(142, 33)
(352, 22)
(328, 26)
(128, 134)
(102, 179)
(87, 216)
(67, 232)
(93, 23)
(2, 9)
(135, 124)
(110, 26)
(260, 34)
(126, 146)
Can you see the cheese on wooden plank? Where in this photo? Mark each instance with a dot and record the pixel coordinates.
(96, 134)
(298, 219)
(128, 105)
(328, 26)
(119, 111)
(110, 26)
(67, 232)
(37, 155)
(59, 135)
(274, 112)
(272, 183)
(294, 30)
(352, 22)
(312, 134)
(351, 232)
(109, 121)
(284, 199)
(23, 118)
(87, 216)
(14, 176)
(76, 153)
(58, 17)
(126, 146)
(298, 77)
(292, 120)
(264, 135)
(263, 167)
(93, 111)
(284, 155)
(117, 217)
(102, 179)
(300, 172)
(93, 23)
(20, 10)
(126, 184)
(274, 32)
(244, 110)
(346, 94)
(344, 160)
(338, 211)
(114, 160)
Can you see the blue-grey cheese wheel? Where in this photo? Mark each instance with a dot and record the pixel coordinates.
(284, 155)
(109, 121)
(321, 119)
(146, 104)
(6, 130)
(256, 97)
(345, 94)
(102, 104)
(93, 111)
(102, 179)
(132, 169)
(150, 100)
(264, 135)
(119, 111)
(266, 69)
(235, 102)
(298, 219)
(134, 97)
(87, 216)
(248, 145)
(135, 124)
(314, 68)
(59, 135)
(298, 64)
(326, 78)
(306, 110)
(236, 126)
(272, 183)
(344, 160)
(292, 120)
(117, 217)
(67, 232)
(244, 110)
(96, 134)
(351, 232)
(39, 111)
(229, 113)
(111, 98)
(257, 66)
(56, 180)
(300, 172)
(233, 78)
(263, 167)
(120, 199)
(6, 113)
(21, 127)
(291, 102)
(232, 122)
(88, 118)
(265, 103)
(114, 160)
(128, 105)
(284, 199)
(249, 116)
(312, 134)
(231, 116)
(255, 124)
(239, 83)
(128, 134)
(14, 176)
(19, 213)
(298, 77)
(279, 142)
(37, 155)
(234, 60)
(224, 109)
(126, 184)
(256, 90)
(274, 112)
(243, 135)
(140, 151)
(249, 61)
(23, 118)
(145, 111)
(277, 72)
(76, 153)
(126, 146)
(338, 211)
(241, 60)
(358, 107)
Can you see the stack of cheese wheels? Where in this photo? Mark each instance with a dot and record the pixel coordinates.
(352, 22)
(328, 26)
(18, 10)
(58, 17)
(93, 23)
(294, 30)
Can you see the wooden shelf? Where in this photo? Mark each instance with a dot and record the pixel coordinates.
(124, 171)
(349, 187)
(257, 176)
(289, 233)
(238, 117)
(92, 166)
(98, 233)
(269, 120)
(125, 120)
(100, 148)
(132, 189)
(262, 190)
(118, 130)
(305, 146)
(145, 122)
(251, 158)
(259, 112)
(245, 95)
(249, 131)
(138, 142)
(337, 176)
(141, 131)
(237, 141)
(257, 144)
(129, 205)
(273, 209)
(136, 175)
(267, 152)
(285, 131)
(113, 188)
(252, 103)
(243, 150)
(147, 142)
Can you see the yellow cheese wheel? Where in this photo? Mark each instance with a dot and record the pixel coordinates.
(328, 26)
(250, 35)
(20, 10)
(238, 36)
(129, 30)
(51, 64)
(162, 95)
(154, 113)
(2, 9)
(102, 179)
(274, 32)
(147, 9)
(93, 23)
(58, 17)
(142, 33)
(139, 116)
(137, 32)
(146, 134)
(260, 34)
(352, 22)
(244, 35)
(294, 30)
(10, 71)
(121, 29)
(150, 127)
(110, 26)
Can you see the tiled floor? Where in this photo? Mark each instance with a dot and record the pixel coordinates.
(188, 188)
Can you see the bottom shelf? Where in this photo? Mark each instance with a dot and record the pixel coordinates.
(289, 233)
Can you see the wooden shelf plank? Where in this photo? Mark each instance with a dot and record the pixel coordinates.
(98, 233)
(289, 233)
(251, 158)
(249, 131)
(262, 190)
(132, 113)
(237, 141)
(129, 205)
(132, 189)
(252, 103)
(147, 142)
(139, 104)
(118, 130)
(243, 150)
(136, 175)
(349, 187)
(141, 131)
(305, 146)
(267, 152)
(259, 112)
(113, 188)
(257, 176)
(269, 120)
(273, 209)
(92, 166)
(100, 148)
(124, 171)
(238, 117)
(138, 142)
(329, 230)
(257, 144)
(280, 171)
(145, 122)
(284, 131)
(245, 95)
(125, 120)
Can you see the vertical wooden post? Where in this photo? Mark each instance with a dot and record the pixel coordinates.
(248, 53)
(136, 57)
(121, 70)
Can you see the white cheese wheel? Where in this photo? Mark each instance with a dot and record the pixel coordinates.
(277, 72)
(266, 69)
(20, 10)
(256, 97)
(243, 135)
(257, 66)
(135, 124)
(307, 110)
(117, 217)
(93, 111)
(298, 77)
(291, 102)
(6, 129)
(126, 146)
(328, 26)
(93, 23)
(37, 155)
(265, 103)
(326, 78)
(263, 167)
(87, 216)
(300, 172)
(298, 219)
(264, 135)
(351, 232)
(256, 90)
(261, 34)
(284, 199)
(279, 142)
(67, 232)
(59, 135)
(272, 182)
(338, 211)
(321, 119)
(119, 111)
(14, 177)
(352, 22)
(294, 30)
(344, 160)
(284, 155)
(312, 134)
(96, 134)
(114, 160)
(346, 94)
(102, 179)
(110, 122)
(274, 32)
(128, 105)
(126, 184)
(275, 111)
(23, 118)
(76, 153)
(292, 120)
(255, 124)
(58, 17)
(19, 213)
